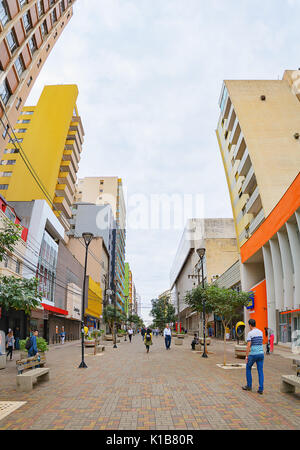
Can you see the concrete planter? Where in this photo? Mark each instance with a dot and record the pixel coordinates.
(178, 341)
(180, 336)
(207, 340)
(2, 361)
(240, 351)
(88, 343)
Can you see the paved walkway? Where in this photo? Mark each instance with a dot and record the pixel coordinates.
(126, 388)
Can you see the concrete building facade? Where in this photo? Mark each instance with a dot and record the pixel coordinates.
(217, 236)
(109, 191)
(29, 31)
(258, 135)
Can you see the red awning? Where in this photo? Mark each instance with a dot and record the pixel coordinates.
(54, 309)
(288, 312)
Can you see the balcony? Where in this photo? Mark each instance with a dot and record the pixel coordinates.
(240, 147)
(66, 166)
(245, 163)
(62, 190)
(249, 182)
(65, 178)
(72, 145)
(236, 130)
(257, 221)
(61, 204)
(68, 155)
(245, 220)
(254, 204)
(240, 202)
(231, 118)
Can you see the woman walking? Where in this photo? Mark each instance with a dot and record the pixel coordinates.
(148, 339)
(10, 344)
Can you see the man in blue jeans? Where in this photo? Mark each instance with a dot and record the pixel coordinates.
(254, 353)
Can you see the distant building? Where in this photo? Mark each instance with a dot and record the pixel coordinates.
(217, 236)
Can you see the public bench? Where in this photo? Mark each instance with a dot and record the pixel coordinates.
(289, 383)
(29, 371)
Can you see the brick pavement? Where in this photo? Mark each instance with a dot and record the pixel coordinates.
(127, 389)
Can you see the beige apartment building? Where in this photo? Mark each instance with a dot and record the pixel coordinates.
(103, 191)
(259, 138)
(29, 29)
(217, 236)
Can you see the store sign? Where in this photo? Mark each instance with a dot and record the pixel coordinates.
(251, 301)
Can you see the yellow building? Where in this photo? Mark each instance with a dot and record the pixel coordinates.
(46, 149)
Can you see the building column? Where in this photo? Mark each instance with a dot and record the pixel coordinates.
(277, 274)
(271, 304)
(288, 269)
(293, 231)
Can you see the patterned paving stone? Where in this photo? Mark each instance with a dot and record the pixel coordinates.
(127, 389)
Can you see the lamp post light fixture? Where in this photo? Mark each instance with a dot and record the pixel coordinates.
(87, 237)
(201, 253)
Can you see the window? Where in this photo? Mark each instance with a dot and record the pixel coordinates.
(19, 102)
(4, 92)
(51, 2)
(4, 187)
(11, 40)
(29, 81)
(9, 162)
(44, 28)
(23, 121)
(40, 6)
(4, 134)
(27, 112)
(4, 14)
(19, 65)
(23, 3)
(18, 266)
(15, 140)
(27, 21)
(9, 213)
(11, 150)
(62, 7)
(53, 16)
(5, 174)
(20, 130)
(32, 44)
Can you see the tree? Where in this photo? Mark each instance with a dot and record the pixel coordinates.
(195, 300)
(17, 293)
(10, 234)
(111, 315)
(162, 311)
(226, 303)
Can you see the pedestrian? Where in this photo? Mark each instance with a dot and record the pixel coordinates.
(210, 331)
(33, 350)
(62, 335)
(195, 341)
(10, 344)
(167, 336)
(272, 341)
(148, 339)
(130, 333)
(143, 331)
(17, 338)
(254, 354)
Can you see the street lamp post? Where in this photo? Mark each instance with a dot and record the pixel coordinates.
(115, 322)
(87, 237)
(201, 253)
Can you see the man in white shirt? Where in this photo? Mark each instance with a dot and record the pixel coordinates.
(167, 336)
(254, 354)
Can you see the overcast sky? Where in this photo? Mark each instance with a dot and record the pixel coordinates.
(149, 74)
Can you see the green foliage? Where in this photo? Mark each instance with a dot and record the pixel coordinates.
(19, 293)
(162, 312)
(40, 342)
(10, 234)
